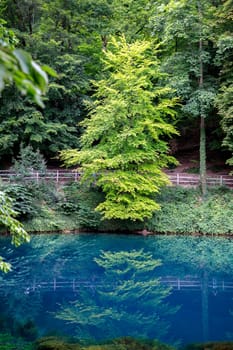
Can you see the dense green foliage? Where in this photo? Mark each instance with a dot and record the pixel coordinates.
(183, 211)
(186, 28)
(196, 39)
(45, 207)
(28, 161)
(17, 66)
(224, 61)
(104, 75)
(8, 220)
(123, 143)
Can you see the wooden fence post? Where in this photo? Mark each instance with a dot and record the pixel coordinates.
(54, 284)
(221, 180)
(178, 284)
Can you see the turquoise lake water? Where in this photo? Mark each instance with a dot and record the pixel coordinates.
(101, 286)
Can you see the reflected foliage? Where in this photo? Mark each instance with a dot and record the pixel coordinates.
(211, 346)
(128, 294)
(8, 342)
(78, 285)
(193, 255)
(53, 343)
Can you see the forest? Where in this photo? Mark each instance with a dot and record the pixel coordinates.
(132, 85)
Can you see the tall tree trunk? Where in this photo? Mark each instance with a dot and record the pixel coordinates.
(205, 307)
(202, 151)
(203, 156)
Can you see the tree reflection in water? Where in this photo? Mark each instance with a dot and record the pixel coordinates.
(105, 286)
(129, 299)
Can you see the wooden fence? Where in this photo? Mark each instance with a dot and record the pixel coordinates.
(50, 175)
(62, 176)
(183, 179)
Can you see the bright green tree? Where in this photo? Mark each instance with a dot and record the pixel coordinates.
(124, 144)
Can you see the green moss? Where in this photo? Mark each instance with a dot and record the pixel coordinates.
(55, 343)
(211, 346)
(128, 343)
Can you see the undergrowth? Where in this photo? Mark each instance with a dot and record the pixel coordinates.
(46, 207)
(184, 211)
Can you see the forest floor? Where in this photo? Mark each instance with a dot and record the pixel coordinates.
(189, 163)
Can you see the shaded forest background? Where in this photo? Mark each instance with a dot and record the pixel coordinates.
(71, 36)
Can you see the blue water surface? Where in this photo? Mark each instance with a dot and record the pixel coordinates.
(96, 287)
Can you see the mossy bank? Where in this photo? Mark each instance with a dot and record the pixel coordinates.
(45, 207)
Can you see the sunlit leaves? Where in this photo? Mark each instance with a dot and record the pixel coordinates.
(19, 235)
(4, 266)
(18, 67)
(123, 143)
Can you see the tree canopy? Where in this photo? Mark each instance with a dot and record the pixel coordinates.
(124, 143)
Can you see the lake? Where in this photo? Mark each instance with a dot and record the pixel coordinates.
(96, 287)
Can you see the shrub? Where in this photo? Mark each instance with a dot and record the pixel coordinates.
(80, 201)
(183, 211)
(22, 199)
(28, 161)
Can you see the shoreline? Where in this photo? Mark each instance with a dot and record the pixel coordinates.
(144, 233)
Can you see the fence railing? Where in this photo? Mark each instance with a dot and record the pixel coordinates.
(182, 179)
(49, 175)
(61, 176)
(177, 284)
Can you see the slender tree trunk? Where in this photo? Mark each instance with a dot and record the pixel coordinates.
(205, 307)
(202, 121)
(203, 156)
